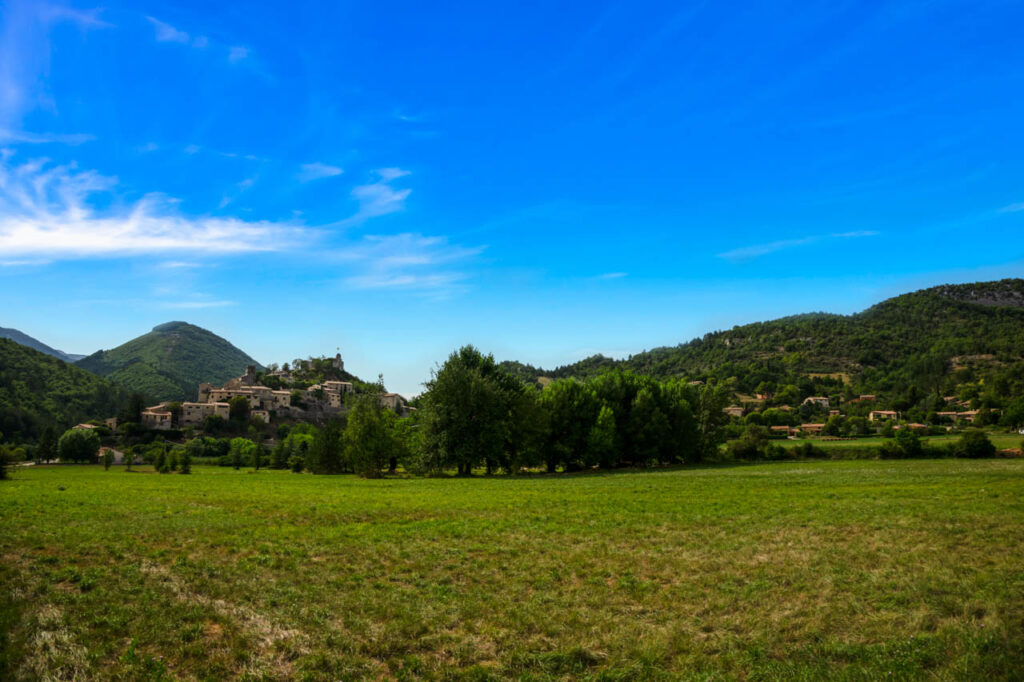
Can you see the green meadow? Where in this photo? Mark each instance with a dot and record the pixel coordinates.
(857, 570)
(1002, 441)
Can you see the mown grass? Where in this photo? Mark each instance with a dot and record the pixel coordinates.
(839, 570)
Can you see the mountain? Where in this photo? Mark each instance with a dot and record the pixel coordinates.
(38, 390)
(169, 362)
(26, 340)
(935, 339)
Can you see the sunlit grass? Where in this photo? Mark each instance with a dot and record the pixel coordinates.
(817, 570)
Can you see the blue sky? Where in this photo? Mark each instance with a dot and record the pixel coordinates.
(544, 180)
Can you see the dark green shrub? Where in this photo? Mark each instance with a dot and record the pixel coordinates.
(974, 444)
(808, 451)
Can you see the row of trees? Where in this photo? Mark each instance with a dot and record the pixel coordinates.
(474, 414)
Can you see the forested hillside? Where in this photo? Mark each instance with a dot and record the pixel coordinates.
(927, 341)
(169, 362)
(38, 390)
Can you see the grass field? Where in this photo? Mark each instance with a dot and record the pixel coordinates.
(859, 570)
(1002, 441)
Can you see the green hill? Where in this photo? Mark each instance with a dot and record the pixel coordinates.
(38, 390)
(169, 362)
(26, 340)
(934, 340)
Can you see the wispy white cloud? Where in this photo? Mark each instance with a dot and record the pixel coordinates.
(611, 275)
(1012, 208)
(317, 170)
(25, 262)
(83, 18)
(419, 282)
(178, 265)
(757, 250)
(379, 198)
(238, 189)
(410, 262)
(389, 174)
(192, 149)
(165, 33)
(48, 211)
(51, 212)
(237, 53)
(21, 137)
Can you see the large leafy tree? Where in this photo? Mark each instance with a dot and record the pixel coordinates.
(601, 450)
(79, 445)
(652, 437)
(370, 438)
(467, 420)
(326, 453)
(572, 409)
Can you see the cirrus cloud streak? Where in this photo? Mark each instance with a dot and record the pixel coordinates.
(45, 210)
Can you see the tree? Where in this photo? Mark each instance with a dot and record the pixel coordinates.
(257, 455)
(185, 464)
(108, 459)
(46, 448)
(4, 459)
(601, 439)
(908, 442)
(572, 409)
(834, 425)
(79, 445)
(238, 411)
(369, 438)
(326, 452)
(974, 444)
(240, 451)
(709, 407)
(132, 413)
(1013, 414)
(755, 443)
(279, 456)
(466, 418)
(295, 444)
(160, 462)
(213, 424)
(650, 427)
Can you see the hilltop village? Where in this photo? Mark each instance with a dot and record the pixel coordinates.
(293, 402)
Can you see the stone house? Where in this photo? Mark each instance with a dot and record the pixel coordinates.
(194, 414)
(157, 417)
